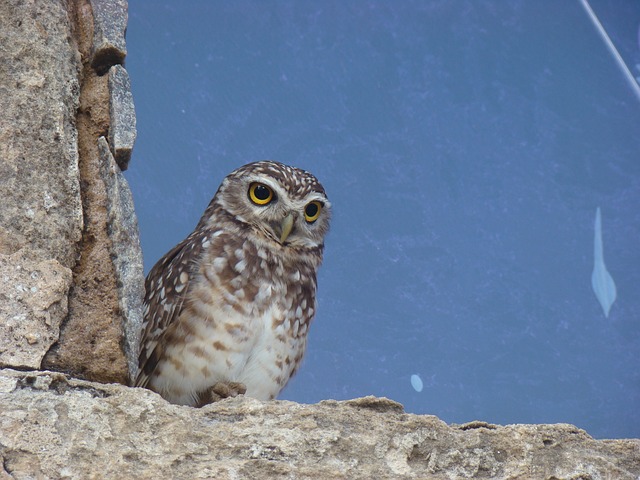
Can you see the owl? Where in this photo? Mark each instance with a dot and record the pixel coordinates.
(227, 311)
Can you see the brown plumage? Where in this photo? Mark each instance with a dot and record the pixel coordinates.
(228, 309)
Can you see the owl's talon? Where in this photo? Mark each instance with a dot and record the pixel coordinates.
(220, 391)
(228, 389)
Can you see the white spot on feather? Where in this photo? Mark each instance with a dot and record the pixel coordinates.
(219, 264)
(264, 293)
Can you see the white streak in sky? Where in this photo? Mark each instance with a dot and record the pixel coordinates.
(616, 55)
(601, 281)
(416, 382)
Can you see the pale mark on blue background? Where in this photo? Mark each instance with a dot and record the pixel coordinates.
(416, 382)
(601, 280)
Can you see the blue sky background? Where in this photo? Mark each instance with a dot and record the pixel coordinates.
(465, 147)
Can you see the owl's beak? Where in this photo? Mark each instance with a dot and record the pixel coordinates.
(287, 226)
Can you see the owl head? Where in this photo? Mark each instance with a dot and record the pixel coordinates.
(283, 204)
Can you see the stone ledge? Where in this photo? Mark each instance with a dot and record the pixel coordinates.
(53, 426)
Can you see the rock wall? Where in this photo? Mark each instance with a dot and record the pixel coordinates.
(69, 250)
(70, 301)
(41, 216)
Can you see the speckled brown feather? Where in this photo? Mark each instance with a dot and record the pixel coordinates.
(166, 288)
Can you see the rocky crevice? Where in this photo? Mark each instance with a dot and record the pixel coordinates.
(91, 350)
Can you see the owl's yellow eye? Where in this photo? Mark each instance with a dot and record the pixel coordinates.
(260, 194)
(312, 211)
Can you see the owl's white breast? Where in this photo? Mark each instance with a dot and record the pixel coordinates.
(258, 346)
(272, 358)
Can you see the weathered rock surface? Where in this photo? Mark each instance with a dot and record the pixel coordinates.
(55, 427)
(33, 304)
(39, 92)
(126, 253)
(122, 128)
(58, 205)
(109, 27)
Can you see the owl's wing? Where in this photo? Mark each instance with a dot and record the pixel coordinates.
(166, 288)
